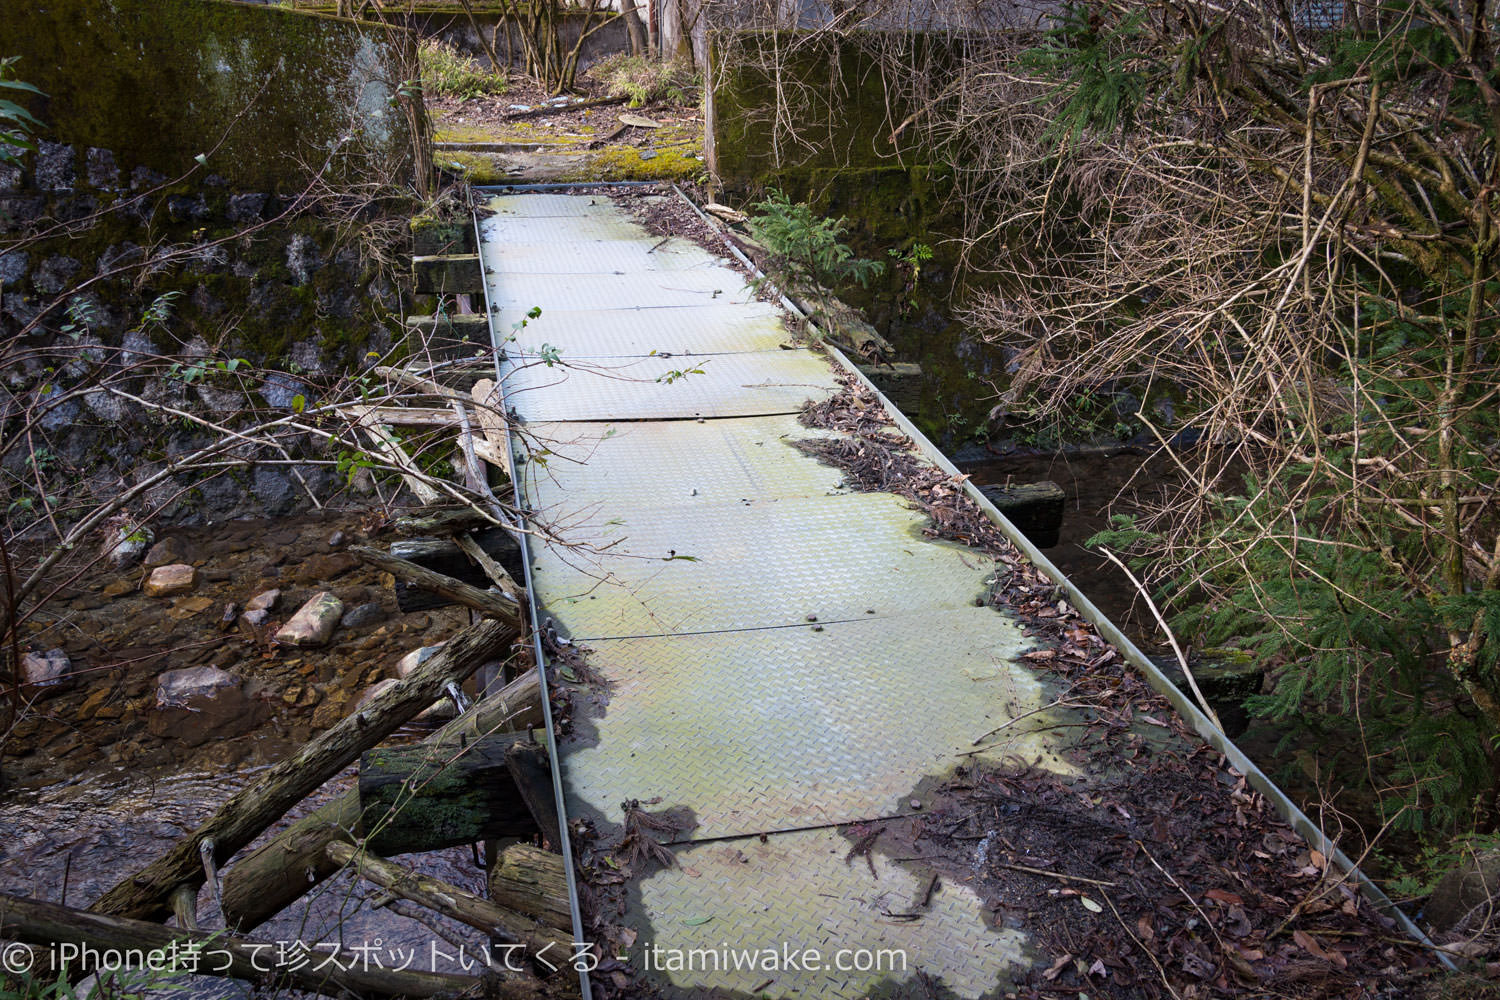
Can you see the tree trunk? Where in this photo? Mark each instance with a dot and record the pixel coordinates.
(426, 798)
(482, 601)
(274, 875)
(532, 881)
(451, 901)
(633, 28)
(251, 810)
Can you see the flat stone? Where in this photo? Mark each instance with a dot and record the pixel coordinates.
(318, 569)
(415, 659)
(364, 616)
(314, 622)
(188, 607)
(51, 669)
(197, 704)
(169, 550)
(118, 588)
(167, 581)
(263, 601)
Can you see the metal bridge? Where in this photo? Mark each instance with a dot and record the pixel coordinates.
(784, 657)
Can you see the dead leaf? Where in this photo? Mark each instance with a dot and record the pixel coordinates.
(1310, 944)
(691, 872)
(1098, 969)
(1144, 929)
(1151, 720)
(1227, 898)
(1055, 969)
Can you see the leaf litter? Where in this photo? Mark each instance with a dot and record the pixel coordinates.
(1157, 871)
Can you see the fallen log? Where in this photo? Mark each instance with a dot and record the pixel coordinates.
(425, 798)
(483, 601)
(448, 557)
(532, 881)
(465, 907)
(531, 772)
(146, 895)
(340, 974)
(274, 875)
(442, 521)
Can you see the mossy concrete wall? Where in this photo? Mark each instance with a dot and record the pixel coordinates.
(112, 218)
(831, 145)
(265, 93)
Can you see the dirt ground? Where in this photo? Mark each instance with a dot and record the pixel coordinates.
(499, 138)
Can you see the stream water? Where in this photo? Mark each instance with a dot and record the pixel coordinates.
(96, 786)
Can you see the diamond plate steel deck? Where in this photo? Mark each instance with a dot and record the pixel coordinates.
(619, 333)
(751, 564)
(782, 729)
(628, 466)
(722, 696)
(724, 385)
(744, 895)
(642, 290)
(543, 205)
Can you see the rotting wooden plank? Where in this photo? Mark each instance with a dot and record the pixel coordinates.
(489, 405)
(427, 798)
(401, 416)
(532, 880)
(483, 601)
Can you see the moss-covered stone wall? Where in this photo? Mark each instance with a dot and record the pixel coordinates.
(262, 93)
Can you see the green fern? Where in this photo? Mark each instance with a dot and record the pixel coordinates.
(808, 249)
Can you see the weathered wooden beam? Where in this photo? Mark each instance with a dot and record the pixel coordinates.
(1036, 509)
(400, 416)
(431, 236)
(489, 406)
(34, 922)
(447, 274)
(531, 771)
(483, 601)
(146, 895)
(425, 798)
(533, 881)
(451, 901)
(275, 874)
